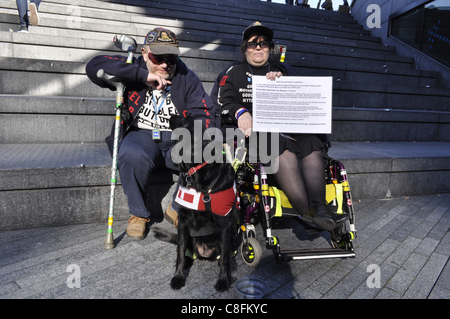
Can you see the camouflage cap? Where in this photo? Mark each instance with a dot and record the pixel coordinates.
(162, 41)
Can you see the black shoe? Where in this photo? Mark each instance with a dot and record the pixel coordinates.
(23, 29)
(340, 218)
(320, 216)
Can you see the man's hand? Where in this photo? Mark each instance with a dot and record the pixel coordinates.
(156, 81)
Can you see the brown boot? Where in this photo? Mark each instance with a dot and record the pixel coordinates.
(137, 227)
(171, 216)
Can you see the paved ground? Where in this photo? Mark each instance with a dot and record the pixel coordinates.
(407, 238)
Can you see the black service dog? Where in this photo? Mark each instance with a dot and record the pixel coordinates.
(208, 210)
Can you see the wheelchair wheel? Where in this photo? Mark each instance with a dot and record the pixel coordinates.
(251, 252)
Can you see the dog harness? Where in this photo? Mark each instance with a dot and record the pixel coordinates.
(219, 203)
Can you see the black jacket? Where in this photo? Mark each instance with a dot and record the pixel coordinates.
(187, 92)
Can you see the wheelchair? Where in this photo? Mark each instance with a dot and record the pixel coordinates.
(262, 204)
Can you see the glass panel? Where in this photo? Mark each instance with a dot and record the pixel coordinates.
(407, 27)
(436, 31)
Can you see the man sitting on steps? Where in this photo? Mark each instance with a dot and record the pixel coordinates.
(158, 85)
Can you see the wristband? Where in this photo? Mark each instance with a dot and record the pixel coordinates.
(240, 112)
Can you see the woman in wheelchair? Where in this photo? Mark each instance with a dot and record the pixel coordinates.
(302, 157)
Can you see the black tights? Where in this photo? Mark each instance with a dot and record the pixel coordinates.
(301, 180)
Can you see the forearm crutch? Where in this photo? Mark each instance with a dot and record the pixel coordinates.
(129, 44)
(109, 241)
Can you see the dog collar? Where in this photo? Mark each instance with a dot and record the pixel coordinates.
(192, 170)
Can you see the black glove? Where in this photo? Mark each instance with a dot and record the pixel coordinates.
(125, 113)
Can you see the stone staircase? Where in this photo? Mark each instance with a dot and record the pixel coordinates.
(391, 123)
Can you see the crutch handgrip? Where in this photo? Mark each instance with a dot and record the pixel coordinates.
(110, 79)
(126, 43)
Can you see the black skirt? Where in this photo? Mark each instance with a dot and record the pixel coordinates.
(300, 144)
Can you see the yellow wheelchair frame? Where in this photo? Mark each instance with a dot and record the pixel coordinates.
(267, 202)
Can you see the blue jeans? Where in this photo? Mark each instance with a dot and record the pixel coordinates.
(22, 6)
(139, 156)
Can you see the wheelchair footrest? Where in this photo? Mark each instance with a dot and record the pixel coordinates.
(319, 253)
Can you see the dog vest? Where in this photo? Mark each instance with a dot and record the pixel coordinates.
(220, 203)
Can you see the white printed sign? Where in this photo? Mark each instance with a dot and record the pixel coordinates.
(292, 104)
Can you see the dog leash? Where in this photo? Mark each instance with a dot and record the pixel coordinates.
(238, 161)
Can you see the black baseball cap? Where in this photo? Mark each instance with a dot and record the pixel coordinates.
(257, 27)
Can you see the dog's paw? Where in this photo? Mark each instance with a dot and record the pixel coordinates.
(177, 282)
(222, 285)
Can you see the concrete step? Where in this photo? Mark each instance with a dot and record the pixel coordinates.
(389, 96)
(197, 11)
(73, 81)
(89, 120)
(66, 107)
(389, 125)
(61, 184)
(83, 49)
(310, 51)
(259, 8)
(353, 66)
(193, 16)
(99, 30)
(95, 16)
(45, 77)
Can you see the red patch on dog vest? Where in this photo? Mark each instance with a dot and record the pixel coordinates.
(221, 202)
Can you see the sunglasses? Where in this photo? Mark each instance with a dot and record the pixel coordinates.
(160, 59)
(262, 45)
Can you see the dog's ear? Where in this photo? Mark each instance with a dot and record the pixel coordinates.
(175, 121)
